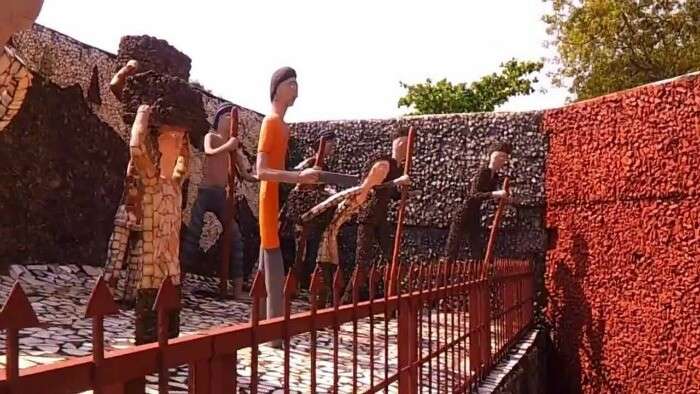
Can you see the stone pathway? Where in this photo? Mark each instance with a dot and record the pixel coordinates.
(59, 293)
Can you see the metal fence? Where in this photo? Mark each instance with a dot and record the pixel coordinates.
(442, 331)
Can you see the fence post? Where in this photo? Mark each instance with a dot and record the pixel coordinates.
(487, 320)
(199, 377)
(258, 292)
(166, 301)
(290, 289)
(16, 314)
(474, 329)
(101, 304)
(408, 319)
(220, 372)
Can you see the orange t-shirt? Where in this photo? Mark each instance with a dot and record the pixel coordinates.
(273, 142)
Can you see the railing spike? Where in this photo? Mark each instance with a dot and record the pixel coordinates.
(101, 303)
(257, 289)
(290, 285)
(316, 281)
(17, 312)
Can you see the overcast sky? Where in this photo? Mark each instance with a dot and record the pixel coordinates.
(350, 55)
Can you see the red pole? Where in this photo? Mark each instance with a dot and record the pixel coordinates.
(225, 254)
(320, 154)
(16, 314)
(453, 310)
(393, 279)
(318, 162)
(100, 304)
(337, 288)
(406, 343)
(258, 292)
(356, 278)
(167, 300)
(316, 284)
(372, 291)
(430, 327)
(387, 316)
(488, 258)
(290, 286)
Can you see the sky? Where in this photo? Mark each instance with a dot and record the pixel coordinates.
(349, 55)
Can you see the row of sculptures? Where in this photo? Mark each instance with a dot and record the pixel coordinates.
(167, 119)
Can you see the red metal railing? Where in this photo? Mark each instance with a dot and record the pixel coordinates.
(448, 325)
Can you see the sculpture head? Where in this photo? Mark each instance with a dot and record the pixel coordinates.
(283, 87)
(16, 15)
(329, 145)
(399, 143)
(499, 154)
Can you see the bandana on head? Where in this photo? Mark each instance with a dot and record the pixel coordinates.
(221, 111)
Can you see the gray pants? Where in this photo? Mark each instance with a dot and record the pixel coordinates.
(271, 264)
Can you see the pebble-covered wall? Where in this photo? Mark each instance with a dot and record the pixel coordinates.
(623, 193)
(448, 151)
(60, 177)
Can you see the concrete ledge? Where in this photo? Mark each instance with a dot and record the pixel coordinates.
(522, 370)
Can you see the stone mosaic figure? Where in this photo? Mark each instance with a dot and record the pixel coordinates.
(344, 206)
(15, 77)
(373, 228)
(129, 215)
(466, 221)
(145, 248)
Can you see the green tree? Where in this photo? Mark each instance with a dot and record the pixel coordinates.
(610, 45)
(484, 95)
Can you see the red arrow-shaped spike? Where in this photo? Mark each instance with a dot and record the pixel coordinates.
(101, 302)
(358, 276)
(17, 313)
(257, 290)
(290, 285)
(316, 281)
(337, 281)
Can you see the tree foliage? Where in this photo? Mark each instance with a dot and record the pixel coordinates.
(484, 95)
(610, 45)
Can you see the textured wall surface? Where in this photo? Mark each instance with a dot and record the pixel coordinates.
(449, 149)
(60, 171)
(624, 276)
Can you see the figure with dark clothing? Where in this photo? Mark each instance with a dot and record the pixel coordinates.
(373, 229)
(342, 207)
(467, 220)
(307, 235)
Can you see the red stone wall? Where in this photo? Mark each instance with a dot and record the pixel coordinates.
(623, 278)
